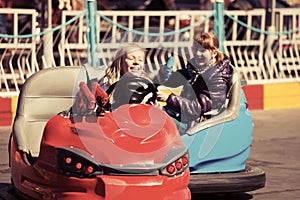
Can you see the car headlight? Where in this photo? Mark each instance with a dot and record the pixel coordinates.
(176, 167)
(76, 162)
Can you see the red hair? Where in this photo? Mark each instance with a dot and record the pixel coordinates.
(210, 42)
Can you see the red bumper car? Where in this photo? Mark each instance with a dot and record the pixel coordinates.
(133, 152)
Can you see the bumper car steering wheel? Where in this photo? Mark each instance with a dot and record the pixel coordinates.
(133, 90)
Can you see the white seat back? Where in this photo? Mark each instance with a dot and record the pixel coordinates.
(43, 95)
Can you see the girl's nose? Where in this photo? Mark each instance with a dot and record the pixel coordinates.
(135, 62)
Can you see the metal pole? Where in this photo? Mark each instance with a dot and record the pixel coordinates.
(219, 23)
(48, 38)
(49, 13)
(271, 37)
(273, 13)
(91, 31)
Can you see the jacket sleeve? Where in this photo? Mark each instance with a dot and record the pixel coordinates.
(212, 96)
(219, 81)
(190, 109)
(216, 91)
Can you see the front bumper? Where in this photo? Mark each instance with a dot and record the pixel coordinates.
(110, 188)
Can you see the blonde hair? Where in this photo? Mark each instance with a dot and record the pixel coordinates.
(113, 72)
(210, 42)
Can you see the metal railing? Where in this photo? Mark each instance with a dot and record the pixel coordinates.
(18, 54)
(288, 45)
(147, 28)
(245, 46)
(259, 55)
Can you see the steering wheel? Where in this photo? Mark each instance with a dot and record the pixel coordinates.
(132, 89)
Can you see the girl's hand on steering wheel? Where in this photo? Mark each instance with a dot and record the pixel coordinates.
(162, 96)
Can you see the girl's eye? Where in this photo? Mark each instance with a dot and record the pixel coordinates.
(201, 50)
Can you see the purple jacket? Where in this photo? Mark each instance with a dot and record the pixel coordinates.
(203, 90)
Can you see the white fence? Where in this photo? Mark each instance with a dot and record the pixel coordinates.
(261, 57)
(18, 55)
(288, 46)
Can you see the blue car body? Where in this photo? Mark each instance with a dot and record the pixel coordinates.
(224, 147)
(220, 148)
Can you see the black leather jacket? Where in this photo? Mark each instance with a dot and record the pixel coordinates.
(203, 90)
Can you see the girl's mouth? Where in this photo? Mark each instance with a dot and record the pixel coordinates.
(135, 68)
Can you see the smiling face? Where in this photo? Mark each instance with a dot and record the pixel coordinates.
(205, 50)
(133, 61)
(202, 56)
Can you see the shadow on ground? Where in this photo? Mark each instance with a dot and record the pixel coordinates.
(7, 193)
(231, 196)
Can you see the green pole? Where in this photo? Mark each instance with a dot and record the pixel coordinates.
(219, 23)
(91, 31)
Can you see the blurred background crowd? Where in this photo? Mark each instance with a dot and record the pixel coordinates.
(59, 5)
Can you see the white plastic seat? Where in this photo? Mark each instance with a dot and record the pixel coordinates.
(43, 95)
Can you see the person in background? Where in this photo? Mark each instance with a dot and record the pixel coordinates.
(103, 5)
(205, 80)
(160, 5)
(3, 24)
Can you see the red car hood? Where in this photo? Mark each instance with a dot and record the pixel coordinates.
(133, 134)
